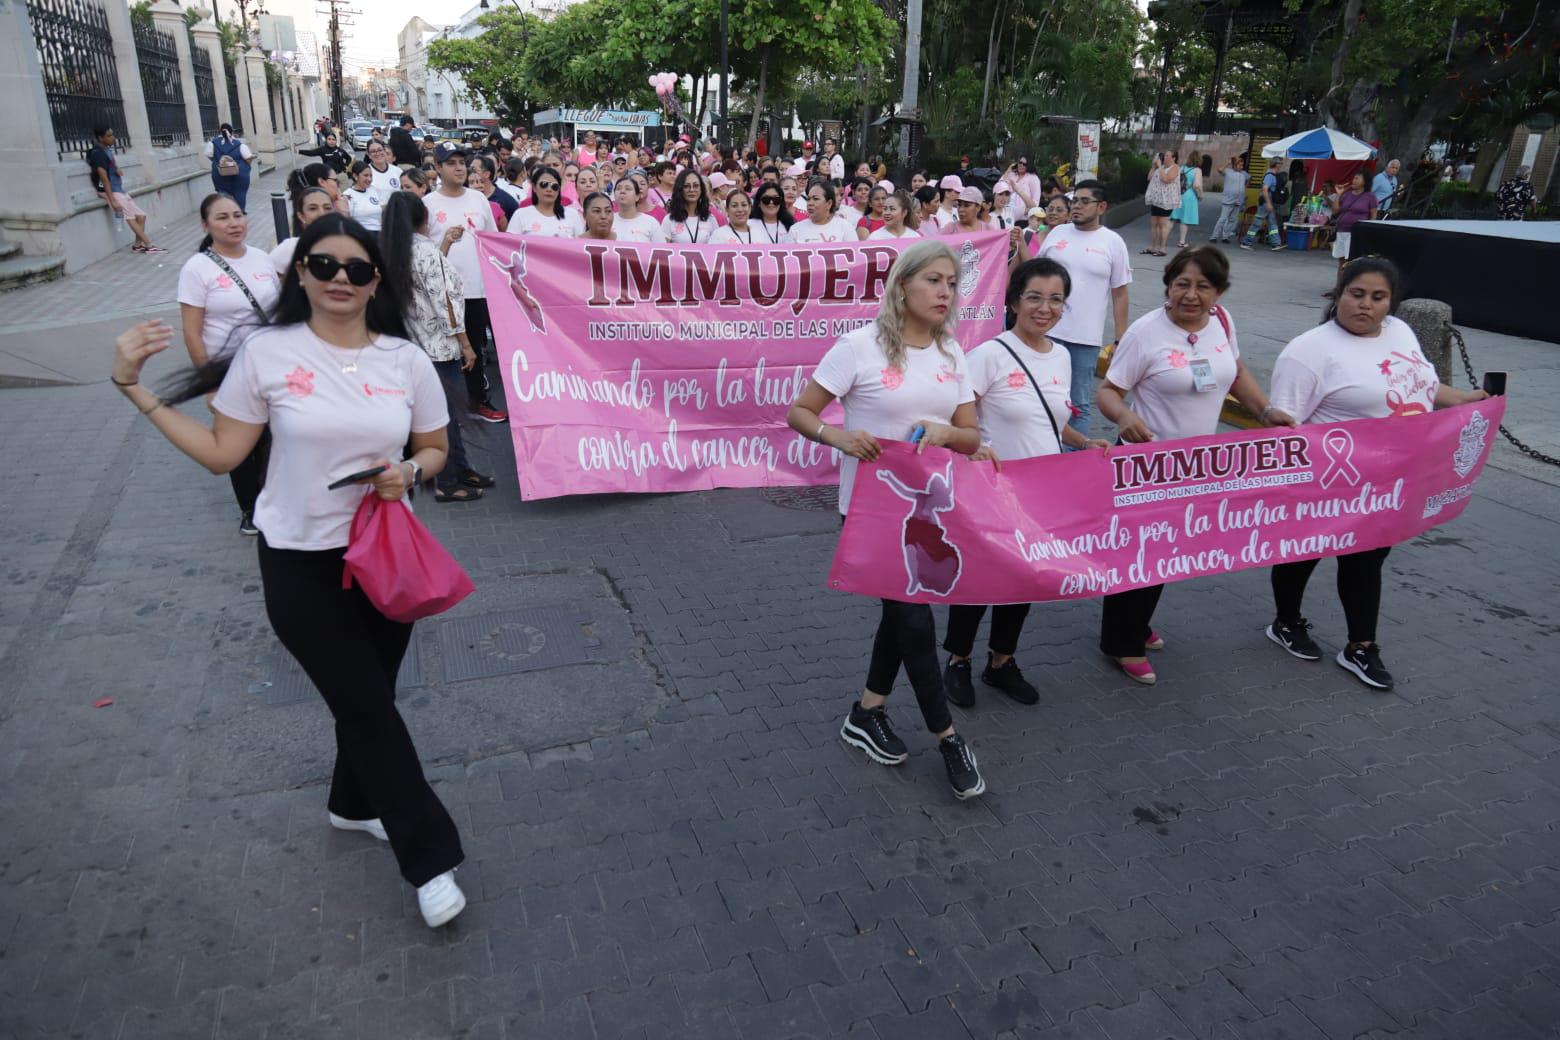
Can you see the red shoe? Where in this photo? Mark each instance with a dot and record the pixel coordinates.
(487, 413)
(1155, 641)
(1142, 672)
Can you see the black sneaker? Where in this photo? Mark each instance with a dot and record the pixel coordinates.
(1010, 681)
(246, 525)
(1296, 638)
(963, 774)
(957, 685)
(1365, 663)
(868, 729)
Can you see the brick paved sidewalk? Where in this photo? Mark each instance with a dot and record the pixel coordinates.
(666, 837)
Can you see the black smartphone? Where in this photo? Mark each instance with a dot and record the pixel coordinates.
(1495, 384)
(353, 478)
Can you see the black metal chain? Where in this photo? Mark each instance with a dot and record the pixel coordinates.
(1473, 381)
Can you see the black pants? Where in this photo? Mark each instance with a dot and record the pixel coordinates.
(1007, 621)
(907, 635)
(248, 477)
(352, 653)
(1359, 589)
(478, 324)
(1125, 621)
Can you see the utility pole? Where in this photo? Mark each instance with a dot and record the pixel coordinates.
(336, 11)
(724, 136)
(909, 99)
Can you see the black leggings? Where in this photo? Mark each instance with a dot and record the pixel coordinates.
(477, 326)
(352, 653)
(1125, 619)
(907, 634)
(248, 477)
(1007, 621)
(1359, 589)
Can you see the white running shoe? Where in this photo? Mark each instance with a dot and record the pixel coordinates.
(440, 899)
(374, 827)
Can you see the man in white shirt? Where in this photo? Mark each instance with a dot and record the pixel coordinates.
(454, 213)
(1097, 260)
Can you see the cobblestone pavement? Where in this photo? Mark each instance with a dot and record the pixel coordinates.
(665, 836)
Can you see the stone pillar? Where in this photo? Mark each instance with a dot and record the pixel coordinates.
(169, 17)
(129, 66)
(1431, 321)
(31, 152)
(257, 124)
(207, 35)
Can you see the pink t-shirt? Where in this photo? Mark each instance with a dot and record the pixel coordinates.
(326, 422)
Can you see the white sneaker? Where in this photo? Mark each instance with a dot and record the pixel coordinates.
(374, 827)
(440, 899)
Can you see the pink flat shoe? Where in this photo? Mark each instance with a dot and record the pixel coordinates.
(1142, 672)
(1155, 641)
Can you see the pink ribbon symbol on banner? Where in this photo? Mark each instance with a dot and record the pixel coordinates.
(1339, 446)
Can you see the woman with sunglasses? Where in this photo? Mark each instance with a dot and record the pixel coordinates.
(897, 209)
(334, 330)
(774, 219)
(630, 224)
(738, 227)
(688, 218)
(226, 284)
(543, 214)
(309, 205)
(822, 223)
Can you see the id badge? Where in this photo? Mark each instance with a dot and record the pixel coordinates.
(1202, 375)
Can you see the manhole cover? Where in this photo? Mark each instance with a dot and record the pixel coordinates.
(283, 681)
(510, 641)
(817, 498)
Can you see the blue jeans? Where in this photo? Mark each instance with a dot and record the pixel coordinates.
(1084, 359)
(454, 381)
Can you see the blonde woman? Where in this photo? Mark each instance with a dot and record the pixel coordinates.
(902, 372)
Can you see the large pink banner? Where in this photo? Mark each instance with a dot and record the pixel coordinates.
(636, 367)
(938, 528)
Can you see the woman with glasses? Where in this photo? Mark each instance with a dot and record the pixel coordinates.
(689, 218)
(1024, 183)
(334, 329)
(543, 215)
(773, 219)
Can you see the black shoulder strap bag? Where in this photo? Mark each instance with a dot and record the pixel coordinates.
(1044, 407)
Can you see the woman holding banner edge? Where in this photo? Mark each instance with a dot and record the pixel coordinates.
(1021, 384)
(1360, 363)
(903, 371)
(1177, 364)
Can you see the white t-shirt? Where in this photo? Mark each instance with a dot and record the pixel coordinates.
(753, 233)
(366, 206)
(1329, 375)
(326, 423)
(849, 214)
(204, 284)
(514, 191)
(945, 217)
(691, 230)
(528, 220)
(769, 233)
(387, 183)
(282, 258)
(641, 227)
(837, 167)
(883, 232)
(1098, 262)
(1154, 363)
(574, 220)
(836, 230)
(884, 401)
(471, 211)
(1011, 419)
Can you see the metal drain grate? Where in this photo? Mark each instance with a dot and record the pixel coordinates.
(816, 499)
(512, 641)
(283, 681)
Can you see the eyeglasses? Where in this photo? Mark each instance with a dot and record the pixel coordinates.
(1036, 299)
(769, 200)
(323, 267)
(1079, 200)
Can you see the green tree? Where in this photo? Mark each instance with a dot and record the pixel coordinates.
(494, 65)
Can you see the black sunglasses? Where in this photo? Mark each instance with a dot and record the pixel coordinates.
(324, 267)
(769, 200)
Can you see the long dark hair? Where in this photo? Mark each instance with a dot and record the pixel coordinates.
(547, 171)
(403, 215)
(205, 208)
(384, 315)
(785, 216)
(297, 205)
(677, 208)
(1356, 269)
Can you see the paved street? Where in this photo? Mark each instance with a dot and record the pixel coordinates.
(634, 722)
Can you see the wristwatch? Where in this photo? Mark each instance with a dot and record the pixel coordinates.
(416, 472)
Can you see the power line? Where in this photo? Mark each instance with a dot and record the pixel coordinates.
(339, 17)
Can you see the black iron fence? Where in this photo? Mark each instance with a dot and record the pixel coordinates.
(205, 90)
(157, 53)
(80, 79)
(235, 110)
(1220, 123)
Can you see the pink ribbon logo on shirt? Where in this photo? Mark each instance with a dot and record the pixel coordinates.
(1338, 445)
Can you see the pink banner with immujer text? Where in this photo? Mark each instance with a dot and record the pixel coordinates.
(637, 367)
(938, 528)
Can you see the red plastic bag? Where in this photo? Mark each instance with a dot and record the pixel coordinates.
(399, 564)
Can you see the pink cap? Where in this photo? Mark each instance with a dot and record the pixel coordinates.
(795, 170)
(971, 195)
(720, 180)
(684, 137)
(950, 183)
(887, 186)
(1002, 187)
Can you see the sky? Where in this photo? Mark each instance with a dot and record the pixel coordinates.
(371, 40)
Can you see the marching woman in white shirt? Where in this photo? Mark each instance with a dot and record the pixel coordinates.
(688, 216)
(772, 216)
(1021, 382)
(330, 336)
(630, 224)
(1176, 363)
(1361, 363)
(897, 208)
(364, 202)
(543, 214)
(738, 228)
(822, 223)
(903, 371)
